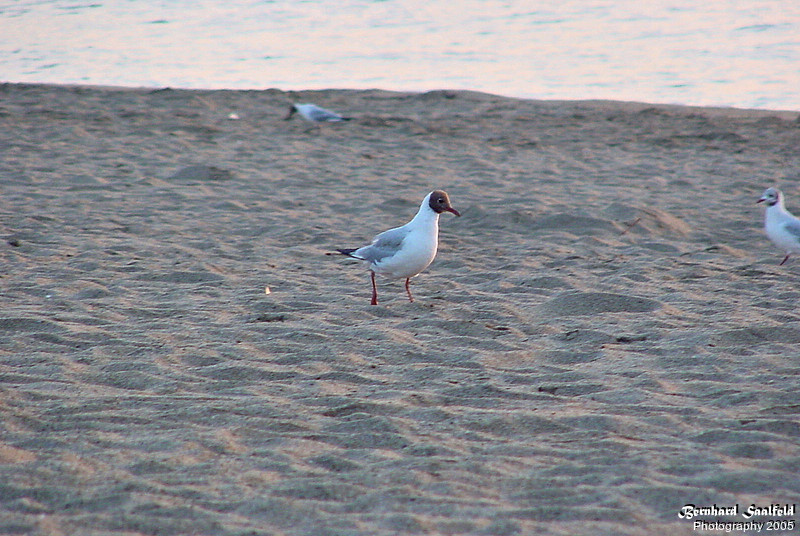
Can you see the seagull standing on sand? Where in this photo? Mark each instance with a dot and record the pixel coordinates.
(781, 226)
(405, 251)
(315, 114)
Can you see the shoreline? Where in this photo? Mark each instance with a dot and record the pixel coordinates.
(784, 114)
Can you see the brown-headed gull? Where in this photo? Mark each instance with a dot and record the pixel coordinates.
(405, 251)
(315, 114)
(781, 226)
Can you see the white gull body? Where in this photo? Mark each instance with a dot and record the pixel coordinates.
(404, 252)
(315, 114)
(780, 225)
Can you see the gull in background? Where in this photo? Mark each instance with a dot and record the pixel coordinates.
(405, 251)
(315, 114)
(781, 226)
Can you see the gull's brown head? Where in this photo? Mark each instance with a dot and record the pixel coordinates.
(440, 202)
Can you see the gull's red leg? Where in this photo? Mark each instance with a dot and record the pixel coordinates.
(374, 290)
(786, 258)
(408, 290)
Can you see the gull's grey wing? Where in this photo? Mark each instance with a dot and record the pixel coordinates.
(321, 115)
(384, 245)
(793, 227)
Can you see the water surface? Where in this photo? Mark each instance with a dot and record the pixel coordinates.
(727, 53)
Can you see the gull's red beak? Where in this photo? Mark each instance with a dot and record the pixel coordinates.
(760, 200)
(454, 211)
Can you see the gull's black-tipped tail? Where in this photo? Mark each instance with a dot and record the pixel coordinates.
(348, 252)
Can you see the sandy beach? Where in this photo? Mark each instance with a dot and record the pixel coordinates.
(604, 337)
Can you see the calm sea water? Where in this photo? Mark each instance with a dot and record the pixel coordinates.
(743, 53)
